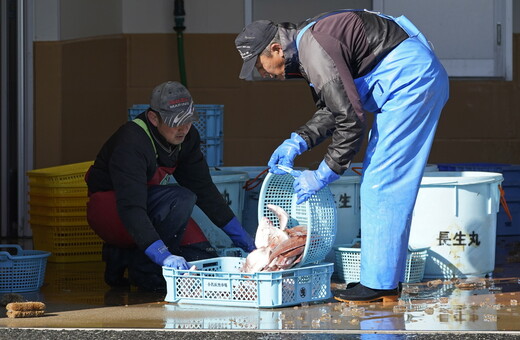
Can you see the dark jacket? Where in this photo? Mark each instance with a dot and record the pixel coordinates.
(339, 48)
(127, 162)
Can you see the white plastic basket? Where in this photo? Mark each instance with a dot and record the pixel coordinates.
(219, 282)
(348, 263)
(318, 214)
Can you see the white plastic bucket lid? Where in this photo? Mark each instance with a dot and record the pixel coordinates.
(228, 176)
(449, 178)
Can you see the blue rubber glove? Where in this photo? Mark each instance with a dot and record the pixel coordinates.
(239, 236)
(286, 153)
(177, 262)
(159, 253)
(310, 182)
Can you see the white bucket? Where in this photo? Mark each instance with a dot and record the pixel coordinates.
(250, 208)
(346, 195)
(455, 215)
(230, 184)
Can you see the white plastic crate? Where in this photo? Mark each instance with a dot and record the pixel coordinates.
(348, 263)
(210, 126)
(218, 282)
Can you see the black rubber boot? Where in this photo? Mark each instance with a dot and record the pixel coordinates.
(145, 274)
(353, 284)
(360, 293)
(116, 262)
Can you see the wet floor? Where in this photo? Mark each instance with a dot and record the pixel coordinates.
(76, 297)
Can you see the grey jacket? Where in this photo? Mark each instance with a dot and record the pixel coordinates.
(334, 51)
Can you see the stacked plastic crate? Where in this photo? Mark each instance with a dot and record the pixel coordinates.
(210, 127)
(58, 213)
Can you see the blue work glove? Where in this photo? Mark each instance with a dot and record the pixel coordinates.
(239, 236)
(286, 153)
(310, 182)
(159, 253)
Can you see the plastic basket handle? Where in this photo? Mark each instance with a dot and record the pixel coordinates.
(504, 203)
(253, 183)
(6, 255)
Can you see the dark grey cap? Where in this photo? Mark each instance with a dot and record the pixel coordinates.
(253, 39)
(174, 103)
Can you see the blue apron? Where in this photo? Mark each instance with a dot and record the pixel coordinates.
(406, 92)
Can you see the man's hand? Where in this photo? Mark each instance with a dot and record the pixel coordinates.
(176, 262)
(286, 153)
(239, 236)
(159, 253)
(310, 182)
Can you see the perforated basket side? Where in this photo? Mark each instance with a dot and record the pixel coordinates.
(68, 243)
(23, 272)
(318, 214)
(60, 176)
(348, 263)
(218, 281)
(415, 264)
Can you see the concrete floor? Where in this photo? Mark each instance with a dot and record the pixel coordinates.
(79, 305)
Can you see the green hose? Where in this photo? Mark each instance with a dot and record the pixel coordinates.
(182, 66)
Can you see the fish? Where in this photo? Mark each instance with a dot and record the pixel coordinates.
(290, 252)
(276, 248)
(267, 235)
(256, 260)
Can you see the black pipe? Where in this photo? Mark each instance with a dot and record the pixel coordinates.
(178, 15)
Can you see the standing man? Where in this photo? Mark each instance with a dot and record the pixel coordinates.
(134, 200)
(357, 61)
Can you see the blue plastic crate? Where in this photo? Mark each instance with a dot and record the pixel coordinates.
(210, 126)
(211, 121)
(136, 110)
(218, 281)
(23, 271)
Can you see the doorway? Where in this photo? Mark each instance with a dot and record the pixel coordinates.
(16, 116)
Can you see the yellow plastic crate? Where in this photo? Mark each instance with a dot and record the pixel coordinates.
(81, 191)
(83, 276)
(58, 201)
(58, 221)
(41, 210)
(60, 176)
(68, 243)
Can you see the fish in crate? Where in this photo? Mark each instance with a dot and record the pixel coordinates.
(276, 248)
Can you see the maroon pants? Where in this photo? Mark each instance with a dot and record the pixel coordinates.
(104, 220)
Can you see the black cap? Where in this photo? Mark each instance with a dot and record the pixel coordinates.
(253, 39)
(174, 103)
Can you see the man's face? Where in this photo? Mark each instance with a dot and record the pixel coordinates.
(173, 135)
(272, 66)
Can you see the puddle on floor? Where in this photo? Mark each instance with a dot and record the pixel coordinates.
(76, 296)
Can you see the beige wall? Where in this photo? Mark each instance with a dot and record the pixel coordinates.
(84, 87)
